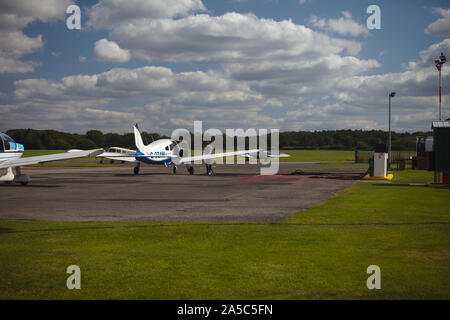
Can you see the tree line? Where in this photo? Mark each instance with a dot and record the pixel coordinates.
(326, 139)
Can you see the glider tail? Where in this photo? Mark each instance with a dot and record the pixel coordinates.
(138, 140)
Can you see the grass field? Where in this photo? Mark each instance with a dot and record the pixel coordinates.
(80, 162)
(339, 167)
(76, 164)
(320, 253)
(32, 153)
(326, 156)
(318, 155)
(297, 155)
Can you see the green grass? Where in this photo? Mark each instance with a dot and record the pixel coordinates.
(339, 167)
(33, 153)
(76, 164)
(79, 162)
(413, 176)
(318, 155)
(337, 162)
(323, 156)
(320, 253)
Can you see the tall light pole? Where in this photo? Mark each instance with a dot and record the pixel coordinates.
(439, 63)
(391, 95)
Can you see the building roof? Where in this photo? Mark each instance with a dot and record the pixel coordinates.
(440, 124)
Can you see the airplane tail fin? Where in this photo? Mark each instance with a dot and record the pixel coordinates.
(138, 140)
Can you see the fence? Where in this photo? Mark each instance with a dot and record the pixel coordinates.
(363, 156)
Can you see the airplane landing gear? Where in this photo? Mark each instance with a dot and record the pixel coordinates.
(190, 169)
(174, 170)
(136, 169)
(21, 178)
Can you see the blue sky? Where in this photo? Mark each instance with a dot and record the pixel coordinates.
(292, 65)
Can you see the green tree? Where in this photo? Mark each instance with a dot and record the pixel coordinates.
(97, 137)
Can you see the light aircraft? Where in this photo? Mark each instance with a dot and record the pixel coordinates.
(11, 153)
(169, 153)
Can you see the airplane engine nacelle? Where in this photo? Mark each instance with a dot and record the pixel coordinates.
(180, 151)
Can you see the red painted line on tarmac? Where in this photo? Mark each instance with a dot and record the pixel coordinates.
(255, 177)
(323, 179)
(265, 175)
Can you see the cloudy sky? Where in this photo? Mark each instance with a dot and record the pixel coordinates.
(288, 64)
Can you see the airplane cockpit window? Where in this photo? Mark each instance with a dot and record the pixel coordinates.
(6, 137)
(167, 148)
(171, 146)
(5, 141)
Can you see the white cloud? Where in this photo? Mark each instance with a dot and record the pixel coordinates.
(110, 51)
(16, 66)
(14, 44)
(64, 117)
(440, 27)
(187, 88)
(109, 14)
(231, 38)
(185, 95)
(343, 26)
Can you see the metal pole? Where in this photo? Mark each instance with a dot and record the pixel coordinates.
(440, 92)
(436, 174)
(389, 149)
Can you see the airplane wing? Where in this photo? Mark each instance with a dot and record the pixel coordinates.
(267, 154)
(71, 154)
(118, 156)
(178, 160)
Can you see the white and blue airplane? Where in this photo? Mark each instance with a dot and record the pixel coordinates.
(171, 154)
(11, 153)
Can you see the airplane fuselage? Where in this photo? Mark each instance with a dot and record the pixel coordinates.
(157, 152)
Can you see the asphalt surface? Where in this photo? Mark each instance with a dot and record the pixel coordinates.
(235, 193)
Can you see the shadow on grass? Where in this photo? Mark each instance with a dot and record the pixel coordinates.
(225, 224)
(420, 185)
(399, 185)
